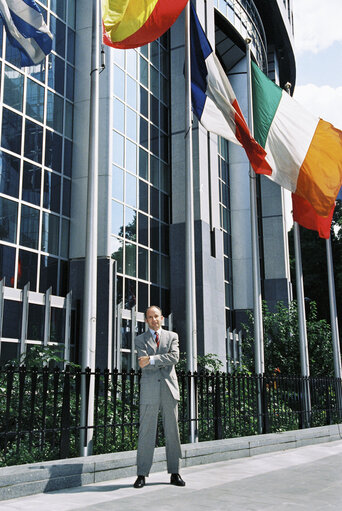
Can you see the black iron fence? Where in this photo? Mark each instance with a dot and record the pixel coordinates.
(40, 409)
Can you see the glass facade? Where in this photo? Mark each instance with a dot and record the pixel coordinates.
(35, 157)
(141, 175)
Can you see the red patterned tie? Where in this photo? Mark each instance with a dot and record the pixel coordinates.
(157, 339)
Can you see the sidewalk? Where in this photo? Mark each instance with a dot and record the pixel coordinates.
(306, 478)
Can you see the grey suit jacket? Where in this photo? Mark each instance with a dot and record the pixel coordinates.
(166, 356)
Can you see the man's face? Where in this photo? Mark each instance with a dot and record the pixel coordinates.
(154, 318)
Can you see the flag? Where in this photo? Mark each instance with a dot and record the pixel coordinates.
(214, 101)
(305, 215)
(133, 23)
(304, 151)
(26, 30)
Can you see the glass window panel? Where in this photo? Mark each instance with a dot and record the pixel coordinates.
(7, 264)
(71, 13)
(130, 293)
(52, 191)
(8, 220)
(66, 197)
(9, 174)
(155, 54)
(31, 183)
(142, 296)
(50, 233)
(142, 263)
(154, 234)
(144, 50)
(164, 177)
(143, 133)
(164, 208)
(71, 46)
(38, 71)
(143, 163)
(130, 259)
(56, 73)
(154, 294)
(54, 113)
(143, 230)
(119, 116)
(12, 327)
(11, 131)
(53, 150)
(131, 190)
(131, 124)
(131, 156)
(130, 224)
(143, 71)
(118, 149)
(65, 238)
(33, 141)
(35, 324)
(164, 147)
(154, 171)
(154, 140)
(165, 271)
(131, 97)
(29, 227)
(117, 183)
(48, 275)
(13, 88)
(164, 238)
(69, 119)
(119, 82)
(154, 81)
(67, 157)
(59, 7)
(154, 208)
(64, 286)
(165, 92)
(164, 118)
(117, 218)
(164, 62)
(117, 252)
(119, 57)
(154, 268)
(155, 110)
(70, 82)
(131, 62)
(165, 301)
(35, 100)
(143, 106)
(143, 196)
(58, 30)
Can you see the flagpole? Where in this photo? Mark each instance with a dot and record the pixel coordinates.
(190, 274)
(334, 325)
(90, 273)
(257, 298)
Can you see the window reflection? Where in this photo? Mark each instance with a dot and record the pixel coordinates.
(48, 274)
(35, 100)
(11, 131)
(130, 224)
(7, 264)
(13, 88)
(53, 150)
(131, 190)
(33, 141)
(29, 227)
(8, 220)
(9, 174)
(31, 183)
(52, 191)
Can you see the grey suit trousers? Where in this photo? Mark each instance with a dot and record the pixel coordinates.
(148, 428)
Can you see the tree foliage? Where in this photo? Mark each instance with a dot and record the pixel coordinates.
(281, 341)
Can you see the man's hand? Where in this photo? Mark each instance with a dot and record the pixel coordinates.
(144, 361)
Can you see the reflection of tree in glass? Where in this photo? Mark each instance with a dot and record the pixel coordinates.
(130, 234)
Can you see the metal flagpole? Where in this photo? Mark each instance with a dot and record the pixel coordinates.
(334, 325)
(257, 302)
(191, 329)
(303, 340)
(90, 276)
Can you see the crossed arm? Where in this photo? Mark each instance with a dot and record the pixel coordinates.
(160, 360)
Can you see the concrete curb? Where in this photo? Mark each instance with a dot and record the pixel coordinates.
(24, 480)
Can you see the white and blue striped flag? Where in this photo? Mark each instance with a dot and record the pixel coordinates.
(26, 30)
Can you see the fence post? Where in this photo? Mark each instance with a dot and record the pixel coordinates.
(240, 348)
(65, 416)
(133, 334)
(217, 408)
(2, 302)
(47, 317)
(67, 329)
(229, 354)
(24, 320)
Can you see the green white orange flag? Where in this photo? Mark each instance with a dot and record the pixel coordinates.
(304, 151)
(133, 23)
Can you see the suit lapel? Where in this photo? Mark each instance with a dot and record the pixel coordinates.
(150, 341)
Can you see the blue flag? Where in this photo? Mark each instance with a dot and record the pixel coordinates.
(26, 30)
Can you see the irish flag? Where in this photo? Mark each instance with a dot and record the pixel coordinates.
(133, 23)
(304, 151)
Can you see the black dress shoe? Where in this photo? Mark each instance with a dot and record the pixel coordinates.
(177, 480)
(140, 482)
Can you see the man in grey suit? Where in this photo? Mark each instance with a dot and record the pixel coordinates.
(158, 353)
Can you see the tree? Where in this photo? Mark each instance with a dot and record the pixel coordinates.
(281, 342)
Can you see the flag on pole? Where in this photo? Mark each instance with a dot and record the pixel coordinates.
(305, 215)
(304, 151)
(133, 23)
(214, 101)
(26, 30)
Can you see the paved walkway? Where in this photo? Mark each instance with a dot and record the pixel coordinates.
(307, 478)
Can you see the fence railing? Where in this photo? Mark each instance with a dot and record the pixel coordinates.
(40, 409)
